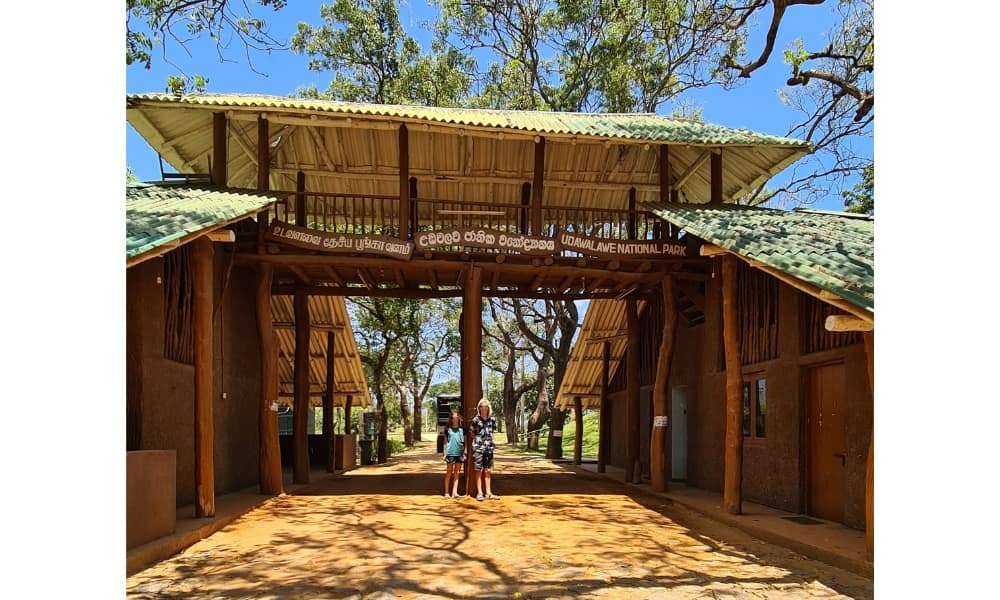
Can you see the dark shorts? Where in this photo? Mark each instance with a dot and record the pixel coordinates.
(451, 460)
(482, 459)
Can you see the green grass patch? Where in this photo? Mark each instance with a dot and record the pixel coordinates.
(590, 437)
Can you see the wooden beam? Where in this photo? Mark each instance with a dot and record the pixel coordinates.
(203, 275)
(432, 276)
(633, 470)
(683, 179)
(536, 187)
(472, 357)
(300, 199)
(848, 323)
(869, 337)
(712, 250)
(716, 182)
(221, 236)
(263, 155)
(220, 168)
(321, 148)
(301, 274)
(425, 293)
(603, 424)
(732, 495)
(633, 231)
(332, 274)
(578, 439)
(300, 415)
(660, 442)
(290, 291)
(331, 439)
(404, 184)
(522, 215)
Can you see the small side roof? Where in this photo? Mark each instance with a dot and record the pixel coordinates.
(832, 251)
(164, 215)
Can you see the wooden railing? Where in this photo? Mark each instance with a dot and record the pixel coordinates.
(379, 215)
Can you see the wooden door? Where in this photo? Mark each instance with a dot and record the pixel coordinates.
(825, 426)
(679, 435)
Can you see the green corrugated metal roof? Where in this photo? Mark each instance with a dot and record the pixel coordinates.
(156, 214)
(832, 251)
(638, 126)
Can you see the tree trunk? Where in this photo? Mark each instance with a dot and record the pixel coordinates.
(301, 406)
(418, 417)
(541, 412)
(732, 498)
(510, 399)
(269, 455)
(404, 409)
(556, 419)
(659, 446)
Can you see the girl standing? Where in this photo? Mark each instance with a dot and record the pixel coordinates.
(483, 425)
(454, 454)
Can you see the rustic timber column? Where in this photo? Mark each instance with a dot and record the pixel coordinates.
(414, 209)
(716, 183)
(263, 155)
(300, 199)
(632, 229)
(300, 412)
(603, 442)
(659, 444)
(220, 169)
(633, 470)
(732, 495)
(472, 357)
(347, 415)
(666, 177)
(331, 439)
(204, 461)
(404, 183)
(523, 217)
(578, 440)
(536, 187)
(269, 457)
(869, 337)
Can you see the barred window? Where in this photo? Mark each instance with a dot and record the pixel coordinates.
(815, 337)
(178, 301)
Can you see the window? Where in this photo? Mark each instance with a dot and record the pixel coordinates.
(755, 407)
(178, 300)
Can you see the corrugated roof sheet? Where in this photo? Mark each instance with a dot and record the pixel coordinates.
(157, 214)
(639, 126)
(832, 251)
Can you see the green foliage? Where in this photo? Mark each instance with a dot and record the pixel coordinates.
(130, 176)
(591, 422)
(180, 85)
(862, 198)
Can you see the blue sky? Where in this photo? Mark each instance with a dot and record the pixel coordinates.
(753, 105)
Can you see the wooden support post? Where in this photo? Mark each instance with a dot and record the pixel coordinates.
(633, 470)
(523, 217)
(660, 443)
(536, 187)
(666, 177)
(347, 414)
(632, 229)
(331, 439)
(869, 337)
(300, 199)
(220, 168)
(203, 274)
(472, 356)
(263, 155)
(414, 208)
(578, 440)
(732, 495)
(300, 410)
(603, 443)
(269, 457)
(404, 184)
(716, 183)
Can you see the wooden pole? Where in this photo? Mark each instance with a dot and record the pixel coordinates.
(220, 169)
(523, 217)
(404, 184)
(716, 177)
(414, 209)
(603, 443)
(472, 356)
(263, 155)
(633, 470)
(536, 187)
(732, 498)
(331, 438)
(659, 444)
(869, 337)
(300, 412)
(578, 440)
(347, 415)
(300, 199)
(666, 177)
(204, 472)
(269, 457)
(632, 229)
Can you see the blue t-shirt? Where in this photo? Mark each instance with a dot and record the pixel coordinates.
(455, 439)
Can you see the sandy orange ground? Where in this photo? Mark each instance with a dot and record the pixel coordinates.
(387, 532)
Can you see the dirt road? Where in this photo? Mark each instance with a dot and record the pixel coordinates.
(387, 532)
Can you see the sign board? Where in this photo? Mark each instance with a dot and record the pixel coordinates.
(659, 421)
(557, 433)
(605, 248)
(325, 241)
(487, 238)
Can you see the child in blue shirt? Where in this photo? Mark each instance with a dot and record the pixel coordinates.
(454, 454)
